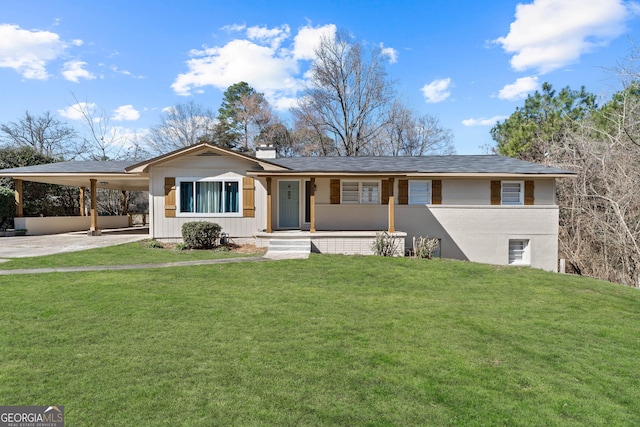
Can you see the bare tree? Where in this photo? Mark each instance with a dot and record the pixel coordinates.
(255, 116)
(406, 135)
(102, 141)
(600, 211)
(45, 134)
(348, 95)
(244, 118)
(309, 138)
(599, 230)
(181, 126)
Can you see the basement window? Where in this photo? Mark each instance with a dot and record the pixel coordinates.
(519, 252)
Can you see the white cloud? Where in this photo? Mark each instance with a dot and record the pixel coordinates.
(271, 36)
(74, 71)
(519, 89)
(308, 39)
(550, 34)
(483, 121)
(115, 69)
(269, 59)
(234, 28)
(125, 112)
(437, 90)
(74, 112)
(390, 53)
(29, 51)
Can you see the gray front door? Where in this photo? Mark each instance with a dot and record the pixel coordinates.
(289, 204)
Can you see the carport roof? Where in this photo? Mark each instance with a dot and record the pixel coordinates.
(108, 174)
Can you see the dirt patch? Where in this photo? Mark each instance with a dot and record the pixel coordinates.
(241, 249)
(247, 249)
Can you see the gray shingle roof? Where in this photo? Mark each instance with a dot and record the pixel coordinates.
(426, 164)
(86, 166)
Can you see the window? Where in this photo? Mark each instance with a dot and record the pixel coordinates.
(350, 191)
(369, 193)
(519, 252)
(419, 192)
(363, 192)
(209, 196)
(512, 193)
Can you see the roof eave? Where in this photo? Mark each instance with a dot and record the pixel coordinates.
(143, 167)
(412, 174)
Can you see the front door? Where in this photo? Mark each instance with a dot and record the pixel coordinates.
(289, 204)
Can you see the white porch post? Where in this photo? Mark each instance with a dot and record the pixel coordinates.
(269, 211)
(392, 227)
(312, 205)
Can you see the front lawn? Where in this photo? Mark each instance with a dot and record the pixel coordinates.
(332, 340)
(142, 252)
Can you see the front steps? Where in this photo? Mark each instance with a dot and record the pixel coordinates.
(290, 247)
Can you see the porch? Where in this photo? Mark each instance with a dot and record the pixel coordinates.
(327, 242)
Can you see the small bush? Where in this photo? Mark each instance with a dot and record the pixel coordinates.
(152, 244)
(179, 247)
(385, 244)
(200, 234)
(7, 205)
(426, 248)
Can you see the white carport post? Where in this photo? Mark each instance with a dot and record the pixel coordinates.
(19, 198)
(94, 231)
(83, 190)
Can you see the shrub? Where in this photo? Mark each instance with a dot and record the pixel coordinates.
(179, 247)
(152, 244)
(385, 244)
(200, 234)
(425, 247)
(7, 204)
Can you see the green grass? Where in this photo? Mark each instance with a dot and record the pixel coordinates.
(331, 340)
(141, 252)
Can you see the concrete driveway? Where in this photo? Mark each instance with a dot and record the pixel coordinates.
(28, 246)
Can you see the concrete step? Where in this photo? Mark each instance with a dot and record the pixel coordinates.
(289, 248)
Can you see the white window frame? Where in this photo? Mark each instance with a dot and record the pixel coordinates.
(360, 193)
(227, 177)
(429, 200)
(519, 252)
(520, 193)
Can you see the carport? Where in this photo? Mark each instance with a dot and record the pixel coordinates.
(82, 174)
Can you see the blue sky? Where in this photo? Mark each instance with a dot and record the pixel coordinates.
(469, 63)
